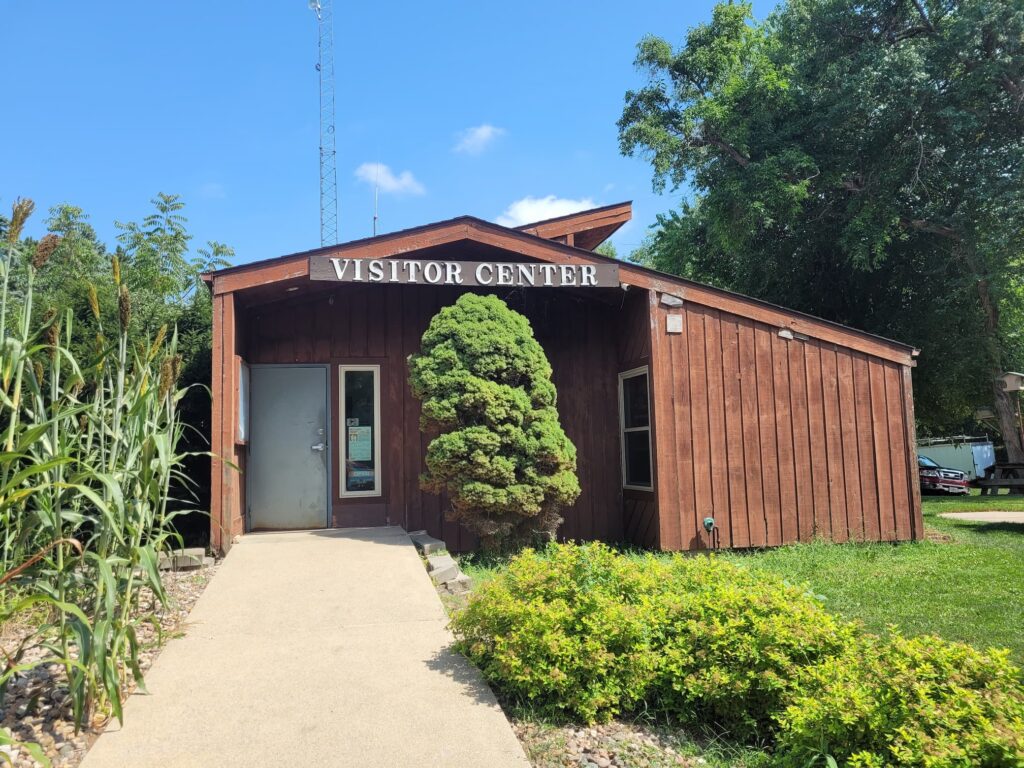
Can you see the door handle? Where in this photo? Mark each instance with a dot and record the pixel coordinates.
(317, 447)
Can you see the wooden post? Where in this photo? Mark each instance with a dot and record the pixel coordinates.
(217, 448)
(224, 414)
(664, 455)
(229, 409)
(916, 518)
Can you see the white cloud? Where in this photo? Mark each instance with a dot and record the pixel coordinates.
(381, 176)
(473, 141)
(530, 209)
(212, 190)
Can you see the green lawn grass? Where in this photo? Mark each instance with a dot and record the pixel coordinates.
(934, 505)
(966, 583)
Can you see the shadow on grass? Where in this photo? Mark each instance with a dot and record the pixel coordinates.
(979, 526)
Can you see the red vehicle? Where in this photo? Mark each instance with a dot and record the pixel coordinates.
(936, 479)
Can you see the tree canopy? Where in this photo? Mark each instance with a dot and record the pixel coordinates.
(859, 161)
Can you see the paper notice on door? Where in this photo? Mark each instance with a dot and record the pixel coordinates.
(360, 443)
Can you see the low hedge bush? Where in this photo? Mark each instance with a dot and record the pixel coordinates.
(896, 701)
(583, 632)
(566, 631)
(735, 644)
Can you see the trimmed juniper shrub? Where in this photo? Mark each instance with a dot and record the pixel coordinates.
(501, 454)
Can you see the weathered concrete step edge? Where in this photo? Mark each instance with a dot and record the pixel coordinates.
(184, 559)
(426, 543)
(443, 570)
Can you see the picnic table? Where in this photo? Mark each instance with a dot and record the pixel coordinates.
(1009, 476)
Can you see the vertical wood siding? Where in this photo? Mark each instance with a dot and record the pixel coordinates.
(778, 440)
(584, 339)
(640, 523)
(227, 490)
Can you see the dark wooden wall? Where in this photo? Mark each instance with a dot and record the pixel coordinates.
(639, 508)
(585, 337)
(779, 440)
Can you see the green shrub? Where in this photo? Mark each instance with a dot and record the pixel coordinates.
(583, 631)
(586, 633)
(896, 701)
(735, 642)
(501, 454)
(566, 631)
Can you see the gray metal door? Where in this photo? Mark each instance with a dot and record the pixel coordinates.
(288, 447)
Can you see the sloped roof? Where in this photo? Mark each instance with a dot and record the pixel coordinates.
(525, 242)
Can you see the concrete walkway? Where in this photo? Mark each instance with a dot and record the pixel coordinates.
(320, 648)
(986, 517)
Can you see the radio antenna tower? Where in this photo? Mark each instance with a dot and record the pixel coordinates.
(324, 10)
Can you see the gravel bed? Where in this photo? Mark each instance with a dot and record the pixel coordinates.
(36, 708)
(613, 745)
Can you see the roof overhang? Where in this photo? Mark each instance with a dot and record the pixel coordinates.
(466, 232)
(586, 229)
(467, 237)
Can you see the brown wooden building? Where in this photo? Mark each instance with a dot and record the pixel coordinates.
(684, 401)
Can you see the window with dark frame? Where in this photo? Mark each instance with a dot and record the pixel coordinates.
(635, 426)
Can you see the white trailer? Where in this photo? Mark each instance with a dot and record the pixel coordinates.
(972, 455)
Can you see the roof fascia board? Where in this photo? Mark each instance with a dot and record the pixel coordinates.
(584, 221)
(543, 249)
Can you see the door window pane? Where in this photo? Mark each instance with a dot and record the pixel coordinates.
(359, 424)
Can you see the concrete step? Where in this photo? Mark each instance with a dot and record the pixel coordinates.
(459, 585)
(442, 568)
(426, 543)
(184, 559)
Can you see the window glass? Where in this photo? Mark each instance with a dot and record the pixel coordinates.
(636, 430)
(638, 458)
(634, 402)
(359, 422)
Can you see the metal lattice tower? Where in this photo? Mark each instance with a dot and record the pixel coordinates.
(324, 10)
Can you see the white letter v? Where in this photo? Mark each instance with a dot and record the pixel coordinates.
(339, 270)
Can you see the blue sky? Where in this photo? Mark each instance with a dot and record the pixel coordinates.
(474, 108)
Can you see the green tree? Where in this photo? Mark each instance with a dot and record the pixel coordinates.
(501, 454)
(161, 271)
(862, 161)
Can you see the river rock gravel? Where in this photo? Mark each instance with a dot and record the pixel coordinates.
(612, 745)
(35, 708)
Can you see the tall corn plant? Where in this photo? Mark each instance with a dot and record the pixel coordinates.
(88, 459)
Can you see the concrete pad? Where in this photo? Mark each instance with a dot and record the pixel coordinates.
(986, 517)
(319, 648)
